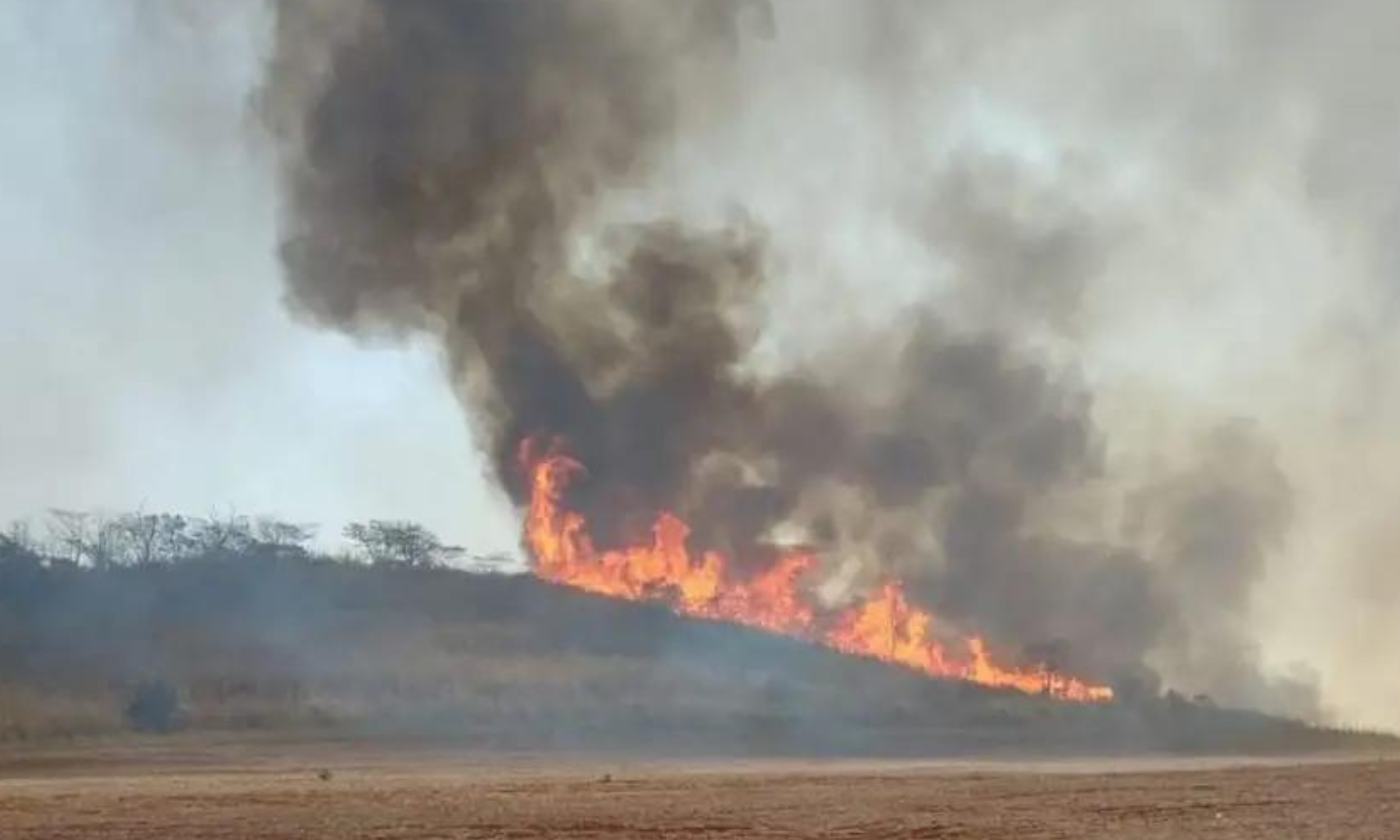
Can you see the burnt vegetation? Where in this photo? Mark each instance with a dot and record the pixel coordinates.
(236, 624)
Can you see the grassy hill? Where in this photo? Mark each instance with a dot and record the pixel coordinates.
(300, 644)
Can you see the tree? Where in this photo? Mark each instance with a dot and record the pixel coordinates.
(284, 538)
(79, 536)
(396, 542)
(1051, 657)
(221, 536)
(18, 546)
(154, 537)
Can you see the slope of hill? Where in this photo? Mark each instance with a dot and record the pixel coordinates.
(301, 645)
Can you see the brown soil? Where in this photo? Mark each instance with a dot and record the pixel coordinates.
(336, 792)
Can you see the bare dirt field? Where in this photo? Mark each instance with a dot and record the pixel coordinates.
(338, 792)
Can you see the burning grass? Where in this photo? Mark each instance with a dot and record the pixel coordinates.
(883, 626)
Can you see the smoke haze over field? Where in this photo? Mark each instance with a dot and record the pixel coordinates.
(1077, 317)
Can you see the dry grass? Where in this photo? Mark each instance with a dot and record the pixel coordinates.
(243, 793)
(312, 646)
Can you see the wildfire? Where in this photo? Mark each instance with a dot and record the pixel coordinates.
(885, 626)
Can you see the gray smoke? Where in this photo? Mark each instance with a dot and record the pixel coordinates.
(455, 169)
(1215, 523)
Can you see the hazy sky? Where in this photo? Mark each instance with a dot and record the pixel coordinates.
(147, 358)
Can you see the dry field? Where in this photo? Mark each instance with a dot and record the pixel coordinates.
(246, 793)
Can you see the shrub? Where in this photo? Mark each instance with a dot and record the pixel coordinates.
(153, 707)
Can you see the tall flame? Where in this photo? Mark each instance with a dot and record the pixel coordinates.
(885, 626)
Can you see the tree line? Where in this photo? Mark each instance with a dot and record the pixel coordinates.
(103, 541)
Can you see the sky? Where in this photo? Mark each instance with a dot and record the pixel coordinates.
(148, 361)
(1232, 164)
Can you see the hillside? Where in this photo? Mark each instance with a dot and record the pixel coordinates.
(305, 645)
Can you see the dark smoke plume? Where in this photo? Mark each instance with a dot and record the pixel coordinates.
(441, 163)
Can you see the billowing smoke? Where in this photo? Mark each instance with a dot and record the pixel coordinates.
(462, 170)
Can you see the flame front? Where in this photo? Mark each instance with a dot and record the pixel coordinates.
(885, 626)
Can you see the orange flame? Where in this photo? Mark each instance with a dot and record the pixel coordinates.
(885, 626)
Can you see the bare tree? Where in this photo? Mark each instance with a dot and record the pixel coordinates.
(70, 531)
(154, 537)
(282, 537)
(1052, 658)
(221, 535)
(397, 542)
(80, 536)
